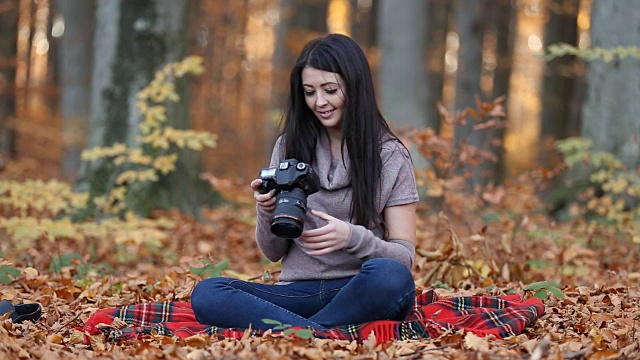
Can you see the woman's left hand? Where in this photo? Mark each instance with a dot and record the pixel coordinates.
(326, 239)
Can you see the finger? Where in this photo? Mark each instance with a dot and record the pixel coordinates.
(315, 240)
(255, 184)
(316, 246)
(321, 214)
(321, 252)
(264, 197)
(268, 204)
(314, 233)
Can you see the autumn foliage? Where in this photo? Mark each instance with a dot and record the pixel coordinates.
(582, 256)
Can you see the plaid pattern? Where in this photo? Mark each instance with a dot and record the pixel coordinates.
(502, 316)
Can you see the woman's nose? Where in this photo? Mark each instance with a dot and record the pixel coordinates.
(321, 101)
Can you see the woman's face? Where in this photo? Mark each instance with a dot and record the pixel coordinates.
(324, 94)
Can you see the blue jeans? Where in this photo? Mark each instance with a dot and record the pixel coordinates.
(382, 290)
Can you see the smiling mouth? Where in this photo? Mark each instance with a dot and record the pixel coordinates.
(326, 114)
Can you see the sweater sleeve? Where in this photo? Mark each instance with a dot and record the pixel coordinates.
(398, 187)
(273, 247)
(364, 244)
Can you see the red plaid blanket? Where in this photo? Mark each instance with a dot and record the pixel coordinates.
(502, 316)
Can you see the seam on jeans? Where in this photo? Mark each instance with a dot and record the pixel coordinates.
(283, 309)
(384, 315)
(275, 293)
(325, 294)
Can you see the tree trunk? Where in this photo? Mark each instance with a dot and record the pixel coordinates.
(74, 78)
(300, 21)
(438, 27)
(505, 18)
(559, 74)
(8, 49)
(471, 17)
(504, 24)
(132, 40)
(402, 75)
(281, 70)
(309, 16)
(364, 22)
(611, 113)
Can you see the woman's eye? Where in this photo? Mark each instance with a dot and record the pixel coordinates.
(309, 93)
(331, 91)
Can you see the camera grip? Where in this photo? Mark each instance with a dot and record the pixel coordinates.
(264, 187)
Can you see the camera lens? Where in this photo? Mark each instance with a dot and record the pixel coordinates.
(288, 216)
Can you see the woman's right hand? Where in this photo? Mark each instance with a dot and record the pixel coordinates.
(266, 201)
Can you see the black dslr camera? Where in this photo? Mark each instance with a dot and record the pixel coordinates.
(293, 182)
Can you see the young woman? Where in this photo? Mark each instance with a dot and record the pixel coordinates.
(352, 263)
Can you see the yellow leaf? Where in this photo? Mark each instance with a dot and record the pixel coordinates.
(55, 339)
(30, 272)
(166, 164)
(24, 229)
(126, 177)
(194, 145)
(141, 105)
(64, 228)
(161, 143)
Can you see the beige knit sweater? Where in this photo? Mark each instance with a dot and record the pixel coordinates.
(398, 187)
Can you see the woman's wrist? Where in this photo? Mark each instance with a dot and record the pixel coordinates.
(264, 214)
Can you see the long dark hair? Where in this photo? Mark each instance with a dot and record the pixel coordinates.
(363, 126)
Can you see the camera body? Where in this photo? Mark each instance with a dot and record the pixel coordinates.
(293, 182)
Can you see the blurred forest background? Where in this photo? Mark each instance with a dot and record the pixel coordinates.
(523, 118)
(70, 71)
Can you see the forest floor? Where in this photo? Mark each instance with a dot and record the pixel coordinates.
(596, 316)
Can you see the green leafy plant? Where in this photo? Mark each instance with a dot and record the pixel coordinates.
(117, 288)
(441, 285)
(544, 288)
(288, 330)
(611, 197)
(7, 272)
(590, 54)
(82, 268)
(210, 269)
(63, 261)
(157, 151)
(150, 287)
(537, 264)
(35, 210)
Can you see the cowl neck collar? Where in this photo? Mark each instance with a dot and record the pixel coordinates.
(323, 166)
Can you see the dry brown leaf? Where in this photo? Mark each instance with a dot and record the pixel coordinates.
(370, 343)
(508, 254)
(97, 342)
(197, 340)
(475, 342)
(77, 337)
(199, 354)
